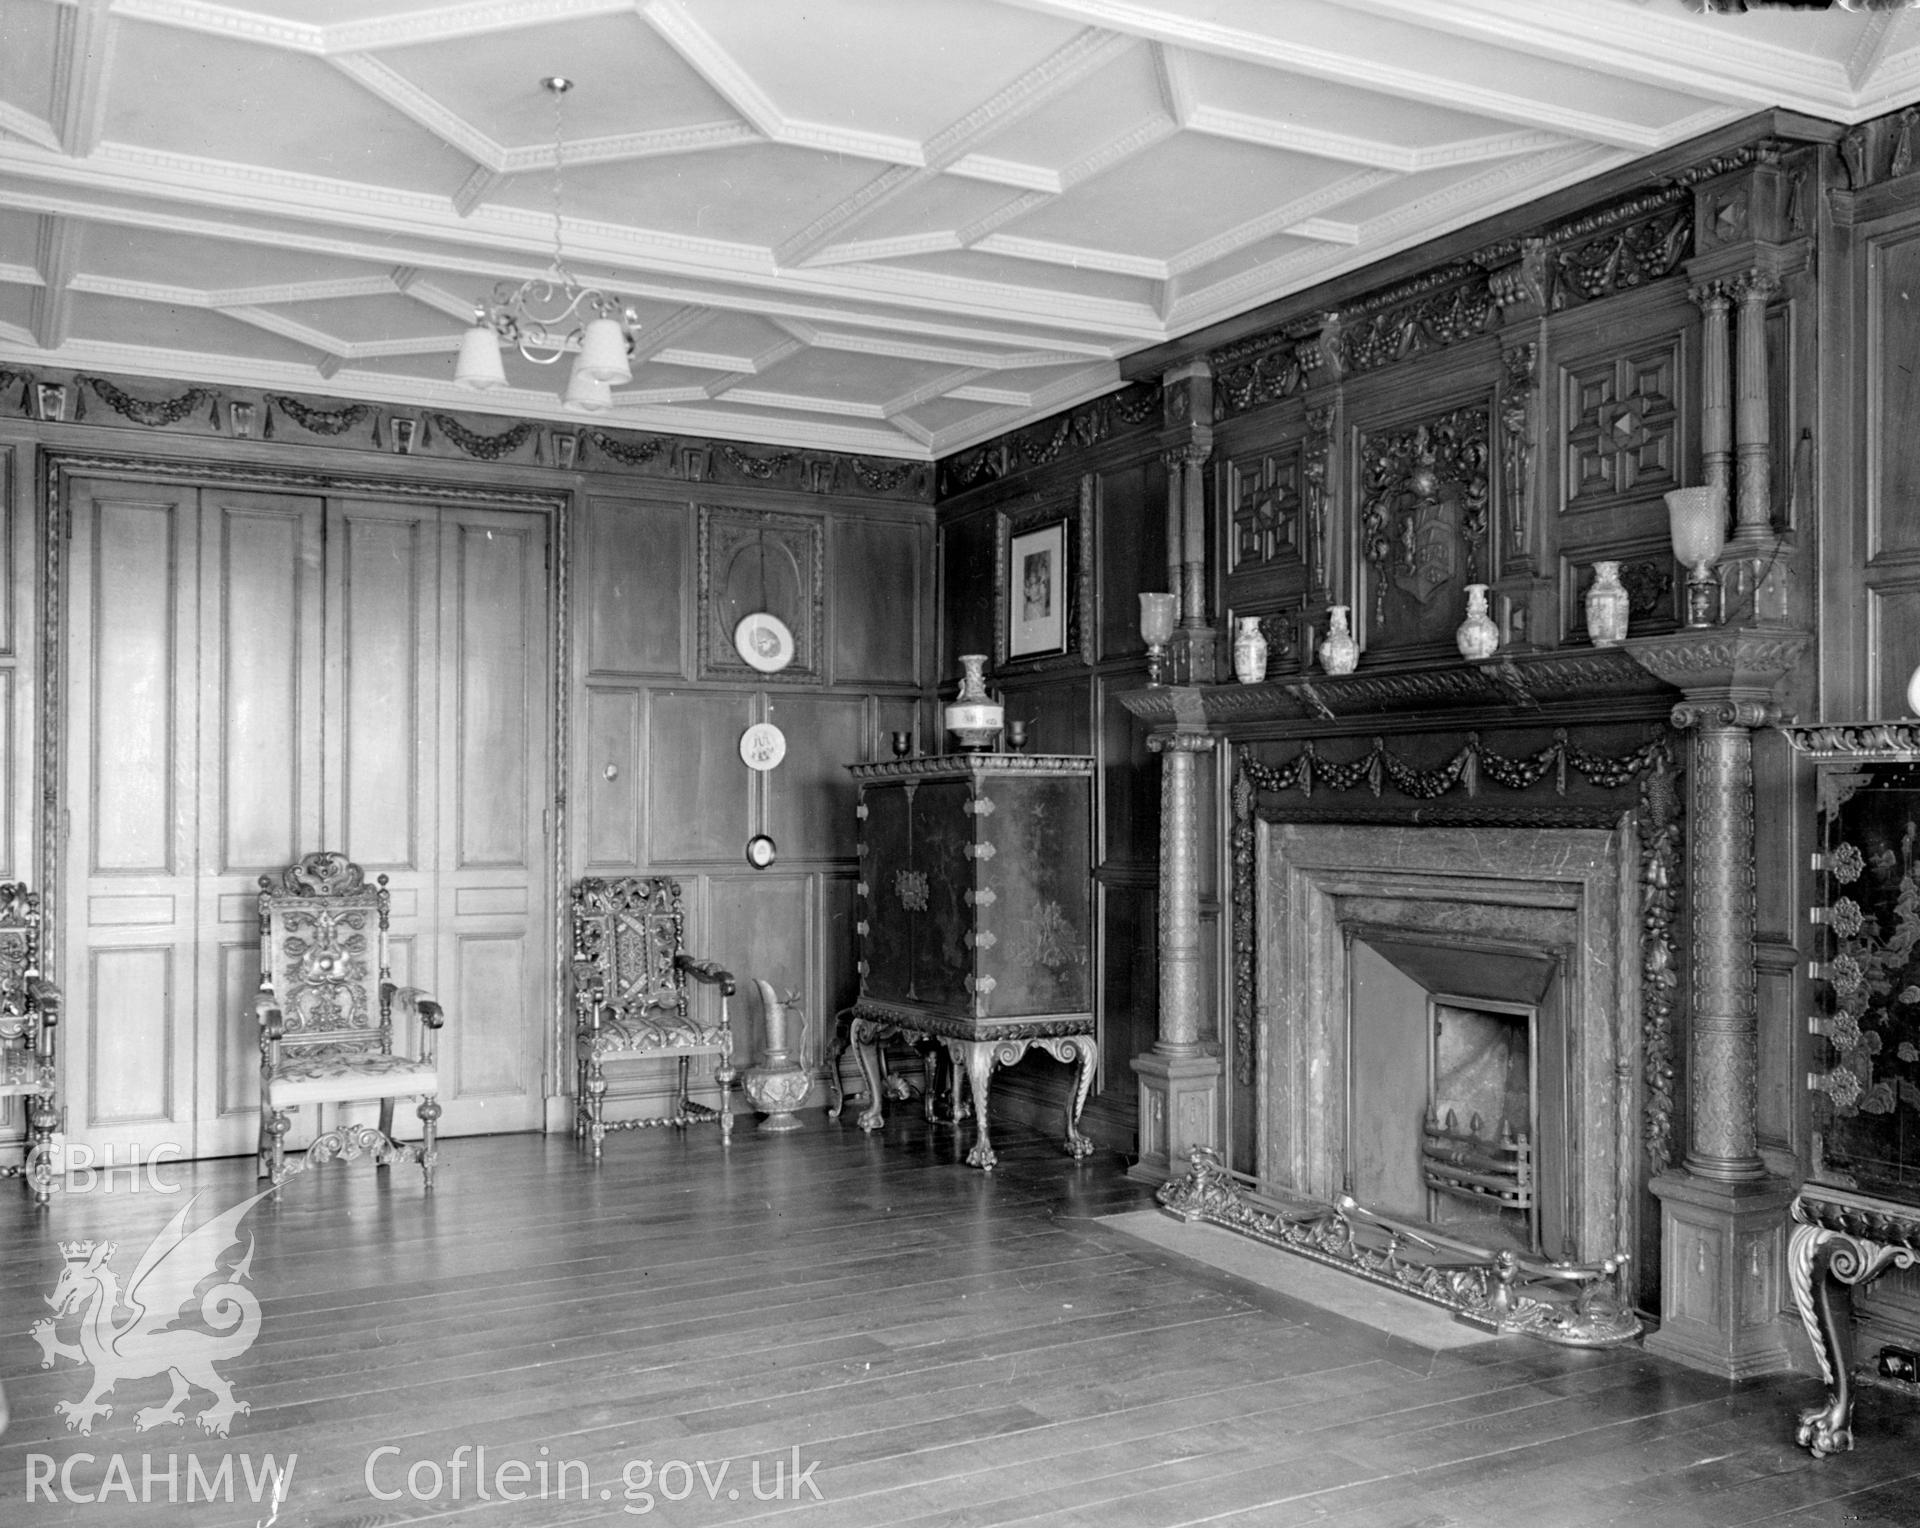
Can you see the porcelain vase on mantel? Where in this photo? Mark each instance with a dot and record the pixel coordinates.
(1477, 636)
(1607, 606)
(1249, 650)
(1339, 653)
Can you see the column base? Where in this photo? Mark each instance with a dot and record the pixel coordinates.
(1722, 1255)
(1179, 1110)
(1197, 655)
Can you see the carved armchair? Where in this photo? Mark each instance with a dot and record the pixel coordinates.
(630, 971)
(326, 1012)
(29, 1027)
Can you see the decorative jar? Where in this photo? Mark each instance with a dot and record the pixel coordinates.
(1339, 653)
(1249, 650)
(973, 716)
(777, 1084)
(1477, 636)
(1607, 606)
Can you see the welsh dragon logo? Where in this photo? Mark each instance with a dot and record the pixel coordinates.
(144, 1341)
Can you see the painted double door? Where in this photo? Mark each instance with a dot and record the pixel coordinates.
(254, 676)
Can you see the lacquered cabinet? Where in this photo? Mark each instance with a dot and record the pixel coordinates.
(977, 916)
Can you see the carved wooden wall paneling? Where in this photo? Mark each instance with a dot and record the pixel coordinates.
(635, 616)
(1890, 553)
(16, 657)
(661, 781)
(878, 574)
(1422, 502)
(754, 560)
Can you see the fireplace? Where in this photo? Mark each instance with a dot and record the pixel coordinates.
(1451, 1044)
(1446, 1029)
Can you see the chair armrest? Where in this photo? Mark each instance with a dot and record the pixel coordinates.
(431, 1013)
(706, 971)
(46, 999)
(266, 1010)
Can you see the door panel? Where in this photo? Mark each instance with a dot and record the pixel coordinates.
(254, 676)
(258, 772)
(131, 783)
(491, 931)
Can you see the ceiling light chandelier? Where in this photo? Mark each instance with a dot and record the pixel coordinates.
(553, 314)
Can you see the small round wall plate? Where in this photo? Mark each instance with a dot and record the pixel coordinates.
(763, 642)
(762, 746)
(760, 851)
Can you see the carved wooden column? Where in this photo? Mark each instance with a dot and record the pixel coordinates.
(1753, 478)
(1723, 1216)
(1716, 409)
(1188, 395)
(1180, 1076)
(1752, 247)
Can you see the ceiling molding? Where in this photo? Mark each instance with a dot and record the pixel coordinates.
(887, 229)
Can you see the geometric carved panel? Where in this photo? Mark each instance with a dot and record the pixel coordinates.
(1622, 417)
(1265, 510)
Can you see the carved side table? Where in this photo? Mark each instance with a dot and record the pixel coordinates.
(1840, 1240)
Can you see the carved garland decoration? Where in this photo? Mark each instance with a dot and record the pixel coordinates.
(486, 448)
(627, 453)
(318, 421)
(153, 414)
(1085, 426)
(1652, 764)
(761, 467)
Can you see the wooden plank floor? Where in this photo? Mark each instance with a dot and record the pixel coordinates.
(951, 1347)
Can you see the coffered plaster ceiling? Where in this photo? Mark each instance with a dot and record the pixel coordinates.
(896, 227)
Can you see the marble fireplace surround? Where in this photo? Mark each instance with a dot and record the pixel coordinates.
(1571, 892)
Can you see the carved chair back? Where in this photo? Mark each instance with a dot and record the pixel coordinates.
(629, 963)
(323, 954)
(19, 963)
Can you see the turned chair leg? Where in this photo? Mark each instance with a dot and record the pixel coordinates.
(429, 1112)
(386, 1120)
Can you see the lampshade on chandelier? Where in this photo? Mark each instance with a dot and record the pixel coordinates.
(548, 316)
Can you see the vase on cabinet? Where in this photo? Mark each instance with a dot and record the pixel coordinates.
(974, 717)
(1607, 606)
(1249, 650)
(1339, 653)
(1477, 636)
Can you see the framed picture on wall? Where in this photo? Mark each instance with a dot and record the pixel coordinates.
(1042, 584)
(1037, 592)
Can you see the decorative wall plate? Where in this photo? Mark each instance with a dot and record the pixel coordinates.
(762, 746)
(763, 642)
(760, 851)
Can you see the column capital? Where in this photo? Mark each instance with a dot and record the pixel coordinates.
(1713, 293)
(1722, 666)
(1757, 285)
